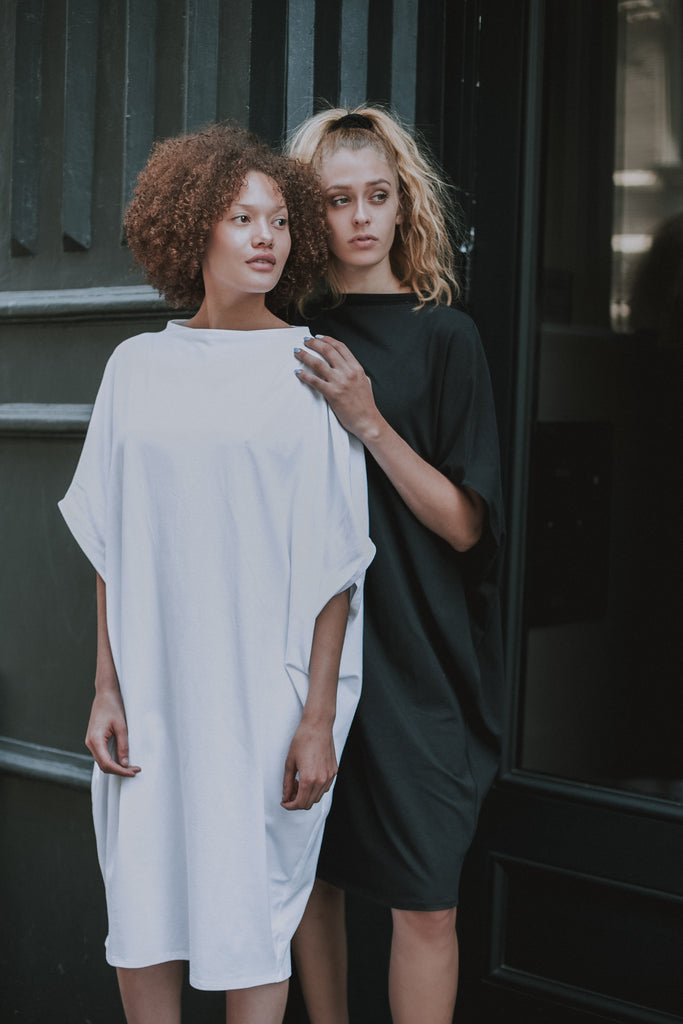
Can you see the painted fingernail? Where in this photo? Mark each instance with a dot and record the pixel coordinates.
(308, 338)
(296, 351)
(297, 372)
(320, 336)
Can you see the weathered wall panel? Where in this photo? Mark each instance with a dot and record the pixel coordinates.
(87, 86)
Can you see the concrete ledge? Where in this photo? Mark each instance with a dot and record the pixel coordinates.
(81, 303)
(33, 761)
(42, 419)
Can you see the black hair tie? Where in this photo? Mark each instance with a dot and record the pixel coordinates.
(352, 121)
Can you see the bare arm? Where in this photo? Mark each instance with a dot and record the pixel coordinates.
(454, 513)
(108, 716)
(311, 752)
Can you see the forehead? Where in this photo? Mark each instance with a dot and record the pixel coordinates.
(259, 190)
(355, 166)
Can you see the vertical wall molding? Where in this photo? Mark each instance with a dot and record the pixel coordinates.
(138, 103)
(91, 85)
(26, 139)
(79, 123)
(353, 75)
(404, 59)
(234, 66)
(201, 63)
(300, 54)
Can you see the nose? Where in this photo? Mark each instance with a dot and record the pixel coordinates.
(361, 214)
(263, 235)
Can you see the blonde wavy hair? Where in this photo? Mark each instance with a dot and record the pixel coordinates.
(422, 254)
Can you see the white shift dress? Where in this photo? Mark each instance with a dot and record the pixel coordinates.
(223, 505)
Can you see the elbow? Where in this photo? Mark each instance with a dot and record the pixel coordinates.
(466, 540)
(470, 526)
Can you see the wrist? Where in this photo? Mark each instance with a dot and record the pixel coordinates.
(318, 718)
(106, 682)
(370, 432)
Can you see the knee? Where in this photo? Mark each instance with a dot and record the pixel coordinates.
(432, 926)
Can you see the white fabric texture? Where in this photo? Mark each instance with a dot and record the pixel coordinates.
(224, 505)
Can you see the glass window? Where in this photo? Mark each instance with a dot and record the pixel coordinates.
(603, 671)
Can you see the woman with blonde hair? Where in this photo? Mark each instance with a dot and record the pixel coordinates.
(406, 374)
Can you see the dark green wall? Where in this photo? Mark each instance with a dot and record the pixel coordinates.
(85, 88)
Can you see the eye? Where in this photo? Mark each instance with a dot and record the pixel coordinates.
(241, 218)
(380, 197)
(281, 222)
(339, 200)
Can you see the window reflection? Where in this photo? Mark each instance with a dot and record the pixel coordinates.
(648, 174)
(603, 676)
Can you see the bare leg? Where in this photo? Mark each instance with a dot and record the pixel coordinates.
(151, 995)
(319, 947)
(423, 971)
(263, 1004)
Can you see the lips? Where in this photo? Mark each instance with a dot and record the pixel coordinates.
(364, 238)
(263, 257)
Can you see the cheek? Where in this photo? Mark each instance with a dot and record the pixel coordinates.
(334, 234)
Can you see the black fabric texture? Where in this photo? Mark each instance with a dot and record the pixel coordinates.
(423, 749)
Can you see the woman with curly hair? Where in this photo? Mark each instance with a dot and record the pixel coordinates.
(222, 507)
(406, 374)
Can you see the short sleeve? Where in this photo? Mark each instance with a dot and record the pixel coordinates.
(84, 506)
(330, 548)
(468, 450)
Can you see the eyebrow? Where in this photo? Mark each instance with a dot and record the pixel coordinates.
(377, 181)
(253, 206)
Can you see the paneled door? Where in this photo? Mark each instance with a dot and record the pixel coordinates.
(581, 849)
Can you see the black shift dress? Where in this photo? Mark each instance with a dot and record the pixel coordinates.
(424, 745)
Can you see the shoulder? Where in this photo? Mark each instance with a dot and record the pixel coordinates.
(452, 335)
(450, 323)
(136, 348)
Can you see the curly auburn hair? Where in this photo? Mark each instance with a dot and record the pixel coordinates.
(185, 188)
(422, 254)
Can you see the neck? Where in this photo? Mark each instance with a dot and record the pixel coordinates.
(379, 280)
(235, 313)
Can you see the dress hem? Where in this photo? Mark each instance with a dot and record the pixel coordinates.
(201, 983)
(385, 901)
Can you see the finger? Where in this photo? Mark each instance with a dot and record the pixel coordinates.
(301, 802)
(321, 790)
(318, 366)
(330, 348)
(111, 767)
(121, 740)
(290, 784)
(99, 748)
(122, 751)
(312, 379)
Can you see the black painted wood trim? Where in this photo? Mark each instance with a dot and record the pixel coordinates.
(234, 65)
(26, 142)
(266, 100)
(138, 111)
(79, 124)
(201, 63)
(327, 44)
(606, 794)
